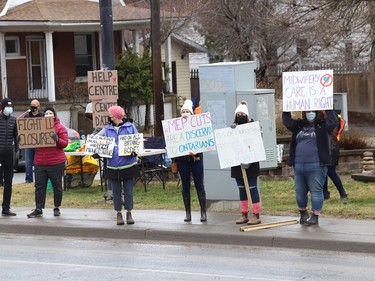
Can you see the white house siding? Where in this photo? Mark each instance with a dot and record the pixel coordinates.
(182, 70)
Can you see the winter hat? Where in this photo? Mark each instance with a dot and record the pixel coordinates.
(50, 108)
(188, 104)
(88, 108)
(242, 107)
(6, 102)
(117, 112)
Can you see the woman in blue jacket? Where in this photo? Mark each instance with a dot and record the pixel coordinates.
(310, 155)
(121, 170)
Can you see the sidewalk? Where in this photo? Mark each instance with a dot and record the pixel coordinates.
(165, 225)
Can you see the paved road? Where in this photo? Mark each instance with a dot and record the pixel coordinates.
(49, 258)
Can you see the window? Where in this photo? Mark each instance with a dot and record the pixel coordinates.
(83, 48)
(12, 46)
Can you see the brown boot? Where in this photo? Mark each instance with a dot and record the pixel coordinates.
(254, 220)
(129, 219)
(120, 220)
(243, 219)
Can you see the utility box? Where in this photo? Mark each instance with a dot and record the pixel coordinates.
(340, 101)
(261, 105)
(222, 87)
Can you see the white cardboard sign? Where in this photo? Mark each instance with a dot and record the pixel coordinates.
(101, 145)
(130, 143)
(190, 134)
(242, 144)
(308, 90)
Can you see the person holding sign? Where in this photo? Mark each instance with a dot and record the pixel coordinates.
(310, 155)
(121, 170)
(49, 164)
(8, 136)
(252, 173)
(33, 111)
(335, 155)
(191, 164)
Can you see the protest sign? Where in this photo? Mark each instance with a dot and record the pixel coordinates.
(100, 111)
(101, 145)
(102, 84)
(35, 132)
(308, 90)
(191, 134)
(243, 144)
(130, 143)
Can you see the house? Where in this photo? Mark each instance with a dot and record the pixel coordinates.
(45, 44)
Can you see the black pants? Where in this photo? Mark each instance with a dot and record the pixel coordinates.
(6, 161)
(42, 174)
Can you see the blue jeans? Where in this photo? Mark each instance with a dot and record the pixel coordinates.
(117, 186)
(29, 163)
(254, 192)
(309, 177)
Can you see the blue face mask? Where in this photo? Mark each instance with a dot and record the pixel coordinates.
(8, 111)
(310, 116)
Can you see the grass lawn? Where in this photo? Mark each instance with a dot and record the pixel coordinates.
(277, 198)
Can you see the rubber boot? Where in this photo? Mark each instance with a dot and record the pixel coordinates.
(202, 203)
(254, 220)
(243, 219)
(313, 220)
(304, 215)
(187, 208)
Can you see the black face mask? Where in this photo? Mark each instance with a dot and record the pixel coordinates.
(241, 119)
(110, 120)
(33, 108)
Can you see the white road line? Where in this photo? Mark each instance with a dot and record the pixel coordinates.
(140, 269)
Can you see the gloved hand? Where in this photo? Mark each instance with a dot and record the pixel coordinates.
(233, 126)
(55, 137)
(95, 156)
(245, 165)
(134, 154)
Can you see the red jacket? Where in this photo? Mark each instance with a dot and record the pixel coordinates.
(46, 156)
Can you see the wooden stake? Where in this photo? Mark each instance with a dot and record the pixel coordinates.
(247, 188)
(268, 225)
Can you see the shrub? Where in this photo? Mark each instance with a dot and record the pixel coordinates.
(355, 138)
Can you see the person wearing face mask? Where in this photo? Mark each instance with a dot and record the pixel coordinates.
(121, 170)
(8, 143)
(252, 172)
(33, 111)
(188, 165)
(309, 154)
(50, 164)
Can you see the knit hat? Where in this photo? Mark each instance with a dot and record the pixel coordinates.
(88, 108)
(117, 112)
(242, 107)
(6, 102)
(188, 104)
(50, 108)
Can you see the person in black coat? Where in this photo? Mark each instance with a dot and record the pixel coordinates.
(252, 172)
(8, 143)
(335, 156)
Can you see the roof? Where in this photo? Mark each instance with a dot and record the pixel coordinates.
(60, 14)
(189, 45)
